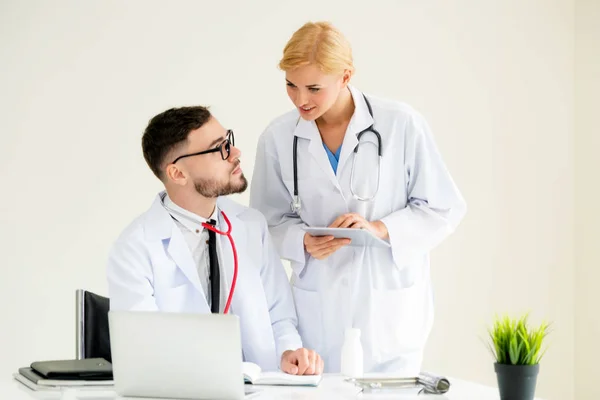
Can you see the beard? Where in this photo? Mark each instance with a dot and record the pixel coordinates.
(211, 188)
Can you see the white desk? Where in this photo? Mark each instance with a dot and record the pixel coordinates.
(331, 388)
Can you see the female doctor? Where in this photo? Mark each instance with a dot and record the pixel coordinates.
(346, 159)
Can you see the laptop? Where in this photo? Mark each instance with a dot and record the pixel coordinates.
(177, 355)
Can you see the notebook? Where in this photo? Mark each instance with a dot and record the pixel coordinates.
(32, 380)
(255, 376)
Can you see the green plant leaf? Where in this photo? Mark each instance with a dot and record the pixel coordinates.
(512, 341)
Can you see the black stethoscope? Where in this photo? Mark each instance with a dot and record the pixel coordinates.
(296, 204)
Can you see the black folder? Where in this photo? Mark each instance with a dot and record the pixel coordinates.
(85, 369)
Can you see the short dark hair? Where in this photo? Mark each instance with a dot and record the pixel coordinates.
(167, 131)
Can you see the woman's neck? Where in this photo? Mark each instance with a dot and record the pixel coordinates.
(340, 113)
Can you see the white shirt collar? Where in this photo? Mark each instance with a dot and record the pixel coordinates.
(188, 219)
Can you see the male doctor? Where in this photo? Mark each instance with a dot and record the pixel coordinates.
(166, 260)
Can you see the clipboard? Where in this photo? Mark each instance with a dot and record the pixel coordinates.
(427, 382)
(358, 237)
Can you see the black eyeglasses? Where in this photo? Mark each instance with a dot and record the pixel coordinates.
(224, 148)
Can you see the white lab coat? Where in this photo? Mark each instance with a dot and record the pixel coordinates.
(386, 293)
(150, 267)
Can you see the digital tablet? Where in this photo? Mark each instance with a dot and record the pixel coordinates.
(358, 237)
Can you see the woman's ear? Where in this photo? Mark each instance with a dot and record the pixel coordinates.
(346, 77)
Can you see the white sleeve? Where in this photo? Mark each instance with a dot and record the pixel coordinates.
(282, 311)
(435, 206)
(130, 281)
(269, 195)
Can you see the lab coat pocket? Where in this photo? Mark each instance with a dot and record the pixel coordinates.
(308, 309)
(400, 320)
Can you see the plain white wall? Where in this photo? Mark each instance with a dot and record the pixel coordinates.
(587, 189)
(80, 80)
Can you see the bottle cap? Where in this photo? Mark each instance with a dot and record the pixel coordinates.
(352, 333)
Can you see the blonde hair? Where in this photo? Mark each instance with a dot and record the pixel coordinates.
(318, 43)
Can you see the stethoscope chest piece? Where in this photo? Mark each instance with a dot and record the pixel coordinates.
(296, 205)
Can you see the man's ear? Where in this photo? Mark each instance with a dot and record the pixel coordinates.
(176, 175)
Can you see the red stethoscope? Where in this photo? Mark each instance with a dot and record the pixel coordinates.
(235, 256)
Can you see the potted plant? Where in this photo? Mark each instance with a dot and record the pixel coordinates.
(517, 349)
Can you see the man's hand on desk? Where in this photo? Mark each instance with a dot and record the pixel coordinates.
(301, 362)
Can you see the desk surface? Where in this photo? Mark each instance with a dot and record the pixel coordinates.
(332, 387)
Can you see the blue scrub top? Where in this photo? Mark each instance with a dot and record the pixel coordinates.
(333, 158)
